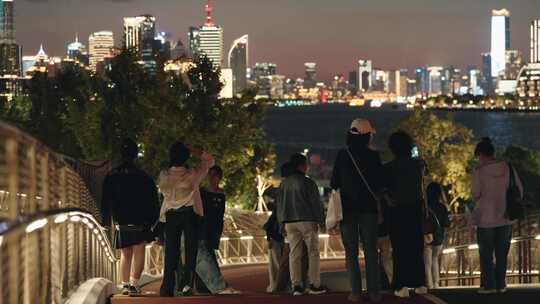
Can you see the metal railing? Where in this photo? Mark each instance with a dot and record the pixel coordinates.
(51, 240)
(460, 265)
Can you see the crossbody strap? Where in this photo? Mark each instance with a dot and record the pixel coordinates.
(362, 175)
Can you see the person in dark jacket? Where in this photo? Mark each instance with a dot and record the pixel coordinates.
(130, 195)
(360, 206)
(405, 216)
(300, 210)
(433, 250)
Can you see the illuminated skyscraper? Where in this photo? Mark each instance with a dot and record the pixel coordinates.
(500, 40)
(365, 70)
(7, 22)
(139, 34)
(77, 51)
(207, 39)
(310, 80)
(535, 41)
(238, 62)
(100, 45)
(435, 80)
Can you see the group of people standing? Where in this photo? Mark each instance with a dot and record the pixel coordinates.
(388, 209)
(190, 219)
(385, 207)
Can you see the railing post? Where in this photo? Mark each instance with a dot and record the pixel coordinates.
(32, 176)
(45, 199)
(12, 176)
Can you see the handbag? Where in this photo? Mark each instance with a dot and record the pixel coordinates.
(431, 222)
(515, 208)
(334, 214)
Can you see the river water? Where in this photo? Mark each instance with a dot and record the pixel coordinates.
(322, 129)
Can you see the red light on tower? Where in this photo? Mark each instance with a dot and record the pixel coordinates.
(209, 21)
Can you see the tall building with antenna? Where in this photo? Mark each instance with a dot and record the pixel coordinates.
(207, 39)
(10, 53)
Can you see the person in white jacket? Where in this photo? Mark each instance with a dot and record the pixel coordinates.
(181, 205)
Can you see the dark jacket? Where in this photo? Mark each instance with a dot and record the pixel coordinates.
(355, 196)
(404, 180)
(441, 213)
(212, 222)
(130, 196)
(272, 229)
(299, 200)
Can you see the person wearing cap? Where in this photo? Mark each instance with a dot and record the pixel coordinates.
(130, 195)
(182, 204)
(359, 192)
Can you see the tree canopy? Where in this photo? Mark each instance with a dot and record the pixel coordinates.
(85, 115)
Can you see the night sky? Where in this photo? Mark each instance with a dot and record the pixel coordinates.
(335, 34)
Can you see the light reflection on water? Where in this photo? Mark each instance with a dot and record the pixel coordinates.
(322, 129)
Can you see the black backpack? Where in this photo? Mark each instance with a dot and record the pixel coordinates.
(515, 207)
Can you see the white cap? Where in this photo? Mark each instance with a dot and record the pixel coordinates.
(361, 126)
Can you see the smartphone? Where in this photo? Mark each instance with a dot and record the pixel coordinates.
(414, 152)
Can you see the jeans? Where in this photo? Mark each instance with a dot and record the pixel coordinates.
(431, 258)
(208, 269)
(178, 222)
(494, 241)
(299, 233)
(364, 226)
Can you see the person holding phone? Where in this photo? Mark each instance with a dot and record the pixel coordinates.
(182, 204)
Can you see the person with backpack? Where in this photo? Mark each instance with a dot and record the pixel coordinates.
(357, 174)
(130, 196)
(181, 207)
(406, 214)
(432, 251)
(491, 182)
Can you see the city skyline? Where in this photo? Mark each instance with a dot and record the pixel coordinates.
(462, 26)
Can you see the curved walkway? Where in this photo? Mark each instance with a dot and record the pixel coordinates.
(252, 280)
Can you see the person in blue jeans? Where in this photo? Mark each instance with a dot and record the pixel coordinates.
(490, 182)
(210, 229)
(360, 207)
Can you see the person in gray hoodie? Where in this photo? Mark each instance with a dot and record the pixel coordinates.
(490, 183)
(300, 211)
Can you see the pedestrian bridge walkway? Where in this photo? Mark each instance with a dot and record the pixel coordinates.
(56, 248)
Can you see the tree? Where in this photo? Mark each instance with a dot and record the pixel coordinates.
(527, 164)
(447, 148)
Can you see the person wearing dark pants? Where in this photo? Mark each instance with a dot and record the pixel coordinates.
(494, 241)
(180, 222)
(404, 175)
(490, 182)
(357, 174)
(181, 205)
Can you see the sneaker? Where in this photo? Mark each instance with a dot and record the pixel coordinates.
(125, 289)
(187, 291)
(229, 291)
(484, 291)
(298, 291)
(422, 290)
(501, 290)
(316, 290)
(402, 293)
(354, 297)
(133, 290)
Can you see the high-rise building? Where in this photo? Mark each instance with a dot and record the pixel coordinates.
(208, 39)
(227, 81)
(139, 34)
(264, 69)
(7, 22)
(422, 81)
(77, 51)
(311, 74)
(474, 82)
(535, 41)
(500, 40)
(238, 62)
(365, 70)
(435, 80)
(514, 63)
(528, 85)
(353, 81)
(401, 82)
(100, 46)
(487, 84)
